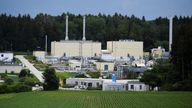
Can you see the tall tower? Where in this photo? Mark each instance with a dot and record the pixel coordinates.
(46, 44)
(84, 28)
(66, 29)
(170, 32)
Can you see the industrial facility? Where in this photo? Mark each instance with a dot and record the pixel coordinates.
(77, 48)
(83, 48)
(119, 58)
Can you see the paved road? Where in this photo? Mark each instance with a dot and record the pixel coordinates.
(30, 66)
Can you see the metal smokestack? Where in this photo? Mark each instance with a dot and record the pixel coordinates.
(84, 28)
(66, 29)
(46, 44)
(170, 32)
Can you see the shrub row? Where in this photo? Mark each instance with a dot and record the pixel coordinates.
(15, 88)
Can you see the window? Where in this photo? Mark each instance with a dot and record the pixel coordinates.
(76, 82)
(81, 83)
(127, 87)
(2, 55)
(132, 86)
(140, 87)
(89, 84)
(128, 55)
(106, 67)
(97, 84)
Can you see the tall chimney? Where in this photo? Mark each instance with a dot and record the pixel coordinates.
(170, 32)
(66, 29)
(46, 44)
(84, 28)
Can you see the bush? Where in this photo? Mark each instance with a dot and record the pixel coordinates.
(14, 88)
(8, 81)
(3, 88)
(51, 80)
(28, 81)
(12, 72)
(94, 74)
(24, 73)
(21, 88)
(3, 75)
(68, 86)
(80, 76)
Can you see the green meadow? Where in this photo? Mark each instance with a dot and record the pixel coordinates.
(96, 99)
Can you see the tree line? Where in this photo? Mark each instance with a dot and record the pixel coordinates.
(176, 73)
(24, 33)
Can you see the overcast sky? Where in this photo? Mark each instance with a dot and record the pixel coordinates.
(151, 9)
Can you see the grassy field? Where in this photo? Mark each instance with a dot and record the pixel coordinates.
(63, 75)
(96, 99)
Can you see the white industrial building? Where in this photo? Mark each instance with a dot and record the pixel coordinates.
(6, 56)
(124, 85)
(108, 84)
(88, 82)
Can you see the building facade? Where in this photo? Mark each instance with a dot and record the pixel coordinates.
(108, 84)
(87, 82)
(75, 48)
(105, 66)
(126, 48)
(40, 55)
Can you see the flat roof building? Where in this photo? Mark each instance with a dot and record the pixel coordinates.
(75, 48)
(108, 84)
(126, 48)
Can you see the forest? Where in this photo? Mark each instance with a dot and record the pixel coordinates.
(24, 33)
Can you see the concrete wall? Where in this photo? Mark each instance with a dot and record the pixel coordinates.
(16, 69)
(75, 48)
(123, 48)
